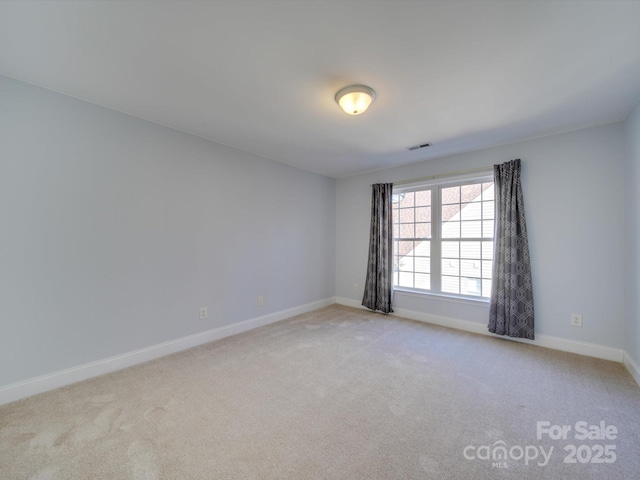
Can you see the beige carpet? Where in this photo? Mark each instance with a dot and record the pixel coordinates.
(338, 393)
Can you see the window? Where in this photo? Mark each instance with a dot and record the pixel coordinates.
(443, 237)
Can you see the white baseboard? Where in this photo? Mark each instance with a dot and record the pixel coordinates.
(61, 378)
(349, 302)
(68, 376)
(556, 343)
(633, 367)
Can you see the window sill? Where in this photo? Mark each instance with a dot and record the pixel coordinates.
(443, 296)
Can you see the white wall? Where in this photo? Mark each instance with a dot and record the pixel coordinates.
(575, 217)
(114, 231)
(632, 175)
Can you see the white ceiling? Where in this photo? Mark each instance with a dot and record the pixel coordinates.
(261, 75)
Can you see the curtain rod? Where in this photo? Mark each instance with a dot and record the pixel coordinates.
(443, 175)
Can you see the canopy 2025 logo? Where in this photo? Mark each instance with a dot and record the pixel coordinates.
(499, 452)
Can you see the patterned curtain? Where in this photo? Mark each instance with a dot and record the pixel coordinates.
(378, 289)
(511, 311)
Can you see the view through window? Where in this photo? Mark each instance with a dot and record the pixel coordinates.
(443, 238)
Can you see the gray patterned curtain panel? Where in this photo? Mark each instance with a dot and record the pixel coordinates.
(378, 289)
(511, 311)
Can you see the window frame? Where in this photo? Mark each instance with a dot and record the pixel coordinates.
(435, 185)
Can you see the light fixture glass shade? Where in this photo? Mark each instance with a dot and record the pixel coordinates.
(355, 99)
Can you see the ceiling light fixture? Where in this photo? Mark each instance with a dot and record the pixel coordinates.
(355, 99)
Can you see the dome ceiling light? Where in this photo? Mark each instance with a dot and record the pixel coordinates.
(355, 99)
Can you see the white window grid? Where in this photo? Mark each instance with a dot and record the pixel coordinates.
(454, 257)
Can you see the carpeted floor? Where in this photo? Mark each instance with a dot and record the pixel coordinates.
(338, 393)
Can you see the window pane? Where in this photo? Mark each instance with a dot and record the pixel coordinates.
(423, 230)
(449, 212)
(471, 211)
(396, 230)
(487, 267)
(472, 229)
(423, 214)
(487, 250)
(487, 229)
(423, 198)
(450, 266)
(450, 195)
(407, 215)
(406, 280)
(470, 250)
(470, 286)
(405, 264)
(407, 230)
(470, 268)
(471, 193)
(450, 249)
(405, 247)
(486, 288)
(407, 199)
(422, 264)
(488, 210)
(451, 230)
(423, 281)
(423, 248)
(450, 284)
(488, 191)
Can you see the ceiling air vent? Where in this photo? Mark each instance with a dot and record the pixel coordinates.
(418, 147)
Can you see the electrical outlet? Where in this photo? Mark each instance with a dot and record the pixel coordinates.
(576, 320)
(355, 288)
(260, 300)
(203, 313)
